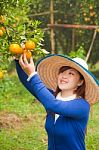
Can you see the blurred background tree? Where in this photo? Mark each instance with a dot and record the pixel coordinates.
(69, 12)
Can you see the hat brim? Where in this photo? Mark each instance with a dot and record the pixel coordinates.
(48, 69)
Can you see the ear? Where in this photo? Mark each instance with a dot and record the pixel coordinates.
(81, 82)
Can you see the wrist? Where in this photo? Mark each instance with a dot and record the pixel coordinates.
(29, 71)
(31, 75)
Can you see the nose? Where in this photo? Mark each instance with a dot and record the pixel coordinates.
(64, 75)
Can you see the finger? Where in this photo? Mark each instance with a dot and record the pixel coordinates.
(25, 59)
(21, 61)
(31, 60)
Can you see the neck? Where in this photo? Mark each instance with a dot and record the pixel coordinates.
(67, 93)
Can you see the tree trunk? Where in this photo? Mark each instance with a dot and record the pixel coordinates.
(73, 39)
(52, 29)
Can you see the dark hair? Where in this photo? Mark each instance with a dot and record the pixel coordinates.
(80, 91)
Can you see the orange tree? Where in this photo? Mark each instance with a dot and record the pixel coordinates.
(15, 32)
(19, 33)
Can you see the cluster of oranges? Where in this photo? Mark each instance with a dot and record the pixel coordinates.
(26, 48)
(15, 48)
(90, 15)
(9, 29)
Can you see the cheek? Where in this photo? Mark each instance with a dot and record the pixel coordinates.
(75, 81)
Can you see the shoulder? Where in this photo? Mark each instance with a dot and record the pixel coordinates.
(83, 102)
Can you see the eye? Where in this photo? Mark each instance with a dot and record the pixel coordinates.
(71, 73)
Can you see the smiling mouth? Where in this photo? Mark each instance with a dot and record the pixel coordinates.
(63, 82)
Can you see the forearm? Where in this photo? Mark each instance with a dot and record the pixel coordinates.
(23, 77)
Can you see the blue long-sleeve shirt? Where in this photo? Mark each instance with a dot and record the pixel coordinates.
(68, 133)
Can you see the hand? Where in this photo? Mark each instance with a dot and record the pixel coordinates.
(27, 66)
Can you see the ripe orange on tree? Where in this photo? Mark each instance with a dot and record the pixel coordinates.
(28, 54)
(1, 32)
(15, 48)
(2, 19)
(97, 29)
(84, 14)
(92, 14)
(86, 19)
(14, 25)
(90, 7)
(2, 28)
(30, 45)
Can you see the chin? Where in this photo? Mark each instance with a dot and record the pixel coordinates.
(62, 88)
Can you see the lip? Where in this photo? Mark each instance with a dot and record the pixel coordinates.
(63, 81)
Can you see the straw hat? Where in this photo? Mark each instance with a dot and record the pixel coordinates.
(49, 66)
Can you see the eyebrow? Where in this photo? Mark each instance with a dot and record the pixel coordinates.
(74, 70)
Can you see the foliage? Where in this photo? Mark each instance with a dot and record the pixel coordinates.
(79, 53)
(18, 28)
(82, 12)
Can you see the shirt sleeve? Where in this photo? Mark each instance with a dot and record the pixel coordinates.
(76, 108)
(23, 77)
(31, 75)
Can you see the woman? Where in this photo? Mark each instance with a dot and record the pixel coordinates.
(66, 89)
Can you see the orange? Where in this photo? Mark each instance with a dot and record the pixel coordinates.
(14, 25)
(84, 14)
(1, 75)
(30, 45)
(2, 19)
(92, 14)
(2, 28)
(97, 29)
(1, 32)
(15, 49)
(28, 54)
(91, 7)
(87, 19)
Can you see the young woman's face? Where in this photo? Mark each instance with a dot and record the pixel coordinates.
(69, 80)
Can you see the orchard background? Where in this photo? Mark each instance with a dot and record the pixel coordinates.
(21, 118)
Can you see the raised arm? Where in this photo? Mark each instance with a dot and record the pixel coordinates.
(23, 77)
(77, 108)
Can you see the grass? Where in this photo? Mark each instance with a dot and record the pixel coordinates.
(22, 119)
(92, 138)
